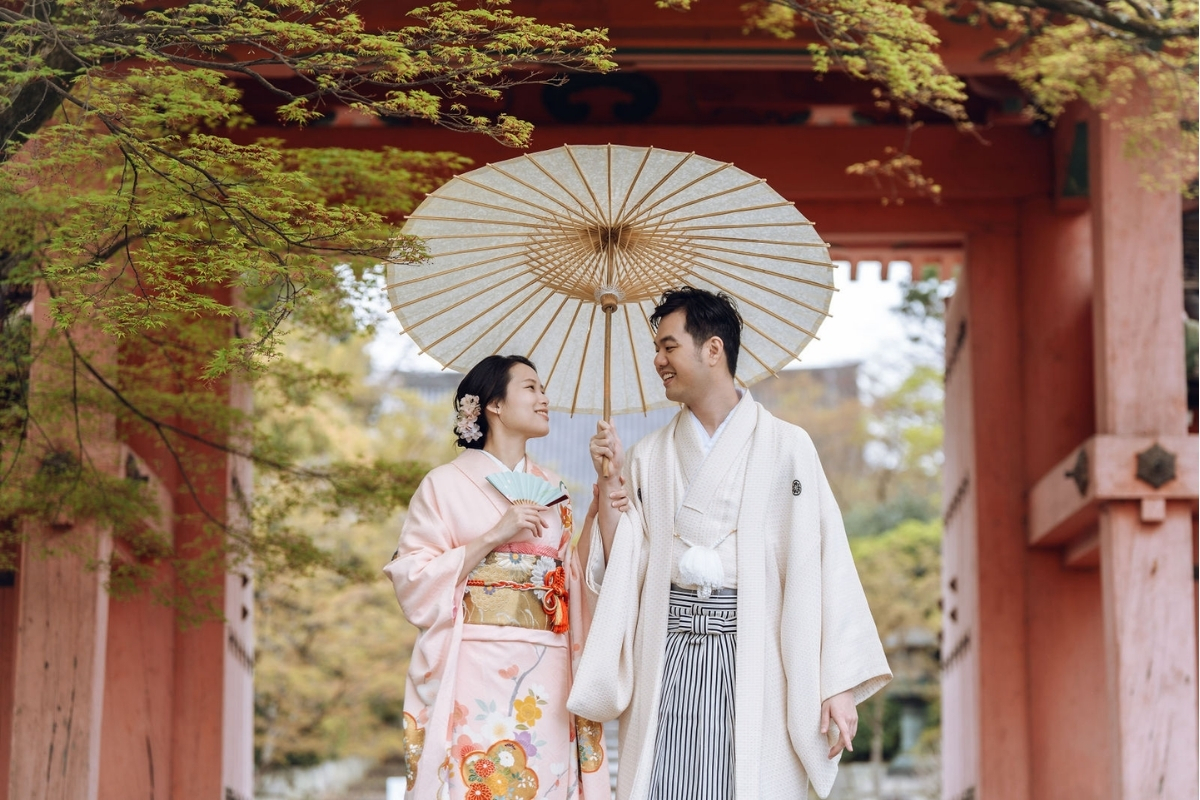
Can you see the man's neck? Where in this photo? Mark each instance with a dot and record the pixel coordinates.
(714, 407)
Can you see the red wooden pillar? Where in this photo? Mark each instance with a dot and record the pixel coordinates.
(59, 674)
(198, 700)
(960, 562)
(198, 682)
(105, 700)
(212, 688)
(62, 612)
(1069, 758)
(1145, 546)
(984, 650)
(135, 754)
(994, 341)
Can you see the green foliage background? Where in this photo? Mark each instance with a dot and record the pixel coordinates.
(171, 263)
(332, 644)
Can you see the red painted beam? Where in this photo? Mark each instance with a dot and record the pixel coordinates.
(710, 34)
(801, 163)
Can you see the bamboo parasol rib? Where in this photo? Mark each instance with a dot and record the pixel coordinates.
(528, 255)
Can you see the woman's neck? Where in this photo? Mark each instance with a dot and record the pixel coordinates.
(510, 449)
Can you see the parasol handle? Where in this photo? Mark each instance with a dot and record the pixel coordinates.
(608, 303)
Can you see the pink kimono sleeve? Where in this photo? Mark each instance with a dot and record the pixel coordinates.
(425, 574)
(580, 614)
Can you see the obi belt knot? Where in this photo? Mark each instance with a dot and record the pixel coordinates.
(696, 617)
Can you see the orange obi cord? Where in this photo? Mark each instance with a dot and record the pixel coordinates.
(554, 602)
(554, 599)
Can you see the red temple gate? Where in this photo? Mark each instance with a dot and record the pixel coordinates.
(1069, 653)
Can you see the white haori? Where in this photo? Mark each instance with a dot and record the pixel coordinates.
(804, 631)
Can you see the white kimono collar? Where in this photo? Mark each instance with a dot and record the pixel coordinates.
(705, 441)
(520, 464)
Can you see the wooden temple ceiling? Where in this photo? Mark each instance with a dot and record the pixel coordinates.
(699, 68)
(695, 81)
(703, 97)
(647, 37)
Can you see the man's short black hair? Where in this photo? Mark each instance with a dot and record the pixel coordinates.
(706, 314)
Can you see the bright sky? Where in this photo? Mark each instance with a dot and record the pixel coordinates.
(863, 327)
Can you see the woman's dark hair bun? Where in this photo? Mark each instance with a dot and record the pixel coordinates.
(487, 380)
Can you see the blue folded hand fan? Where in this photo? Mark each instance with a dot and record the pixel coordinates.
(525, 489)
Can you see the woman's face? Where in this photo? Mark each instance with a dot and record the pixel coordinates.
(525, 409)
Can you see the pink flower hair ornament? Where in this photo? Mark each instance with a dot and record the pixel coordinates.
(466, 423)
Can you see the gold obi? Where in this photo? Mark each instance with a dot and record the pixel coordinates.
(519, 590)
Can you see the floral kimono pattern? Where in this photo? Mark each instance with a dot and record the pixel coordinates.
(485, 703)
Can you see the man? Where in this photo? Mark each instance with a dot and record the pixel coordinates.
(731, 635)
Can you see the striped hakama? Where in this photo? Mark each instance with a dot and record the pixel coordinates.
(693, 748)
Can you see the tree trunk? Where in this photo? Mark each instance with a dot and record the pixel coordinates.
(35, 103)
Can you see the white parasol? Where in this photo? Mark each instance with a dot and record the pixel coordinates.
(561, 255)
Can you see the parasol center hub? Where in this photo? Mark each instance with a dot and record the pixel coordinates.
(610, 237)
(608, 302)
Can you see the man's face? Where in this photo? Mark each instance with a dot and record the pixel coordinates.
(679, 362)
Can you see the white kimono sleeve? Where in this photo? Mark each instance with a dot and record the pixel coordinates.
(603, 684)
(852, 656)
(832, 645)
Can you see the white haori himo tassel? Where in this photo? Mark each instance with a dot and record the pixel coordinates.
(701, 567)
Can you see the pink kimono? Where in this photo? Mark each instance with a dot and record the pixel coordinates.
(485, 713)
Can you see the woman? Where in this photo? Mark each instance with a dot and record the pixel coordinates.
(493, 588)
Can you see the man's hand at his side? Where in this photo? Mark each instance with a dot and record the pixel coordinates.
(841, 710)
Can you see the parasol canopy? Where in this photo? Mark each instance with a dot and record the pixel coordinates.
(556, 254)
